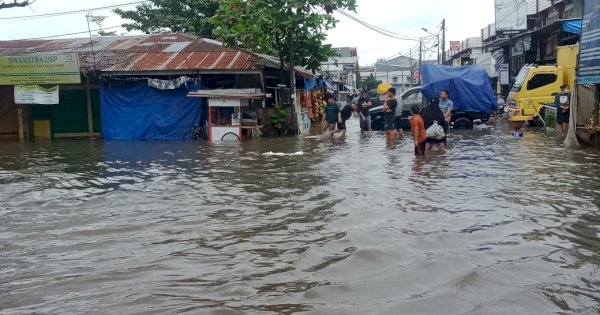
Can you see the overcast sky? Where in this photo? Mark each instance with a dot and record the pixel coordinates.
(464, 18)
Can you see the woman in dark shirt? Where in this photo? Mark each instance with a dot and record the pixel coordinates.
(433, 114)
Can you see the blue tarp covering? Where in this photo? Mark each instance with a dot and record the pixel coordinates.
(316, 83)
(470, 87)
(572, 26)
(310, 84)
(135, 111)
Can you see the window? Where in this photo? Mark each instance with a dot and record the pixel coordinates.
(415, 98)
(541, 79)
(520, 79)
(395, 79)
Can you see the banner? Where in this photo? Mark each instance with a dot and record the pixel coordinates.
(589, 57)
(168, 84)
(511, 16)
(35, 94)
(39, 69)
(504, 74)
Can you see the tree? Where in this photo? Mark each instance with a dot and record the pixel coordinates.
(358, 76)
(292, 30)
(99, 20)
(15, 4)
(185, 16)
(370, 82)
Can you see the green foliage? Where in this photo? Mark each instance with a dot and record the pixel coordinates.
(185, 16)
(358, 76)
(99, 20)
(272, 26)
(104, 33)
(279, 118)
(370, 82)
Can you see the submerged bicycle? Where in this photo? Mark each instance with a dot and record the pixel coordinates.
(197, 133)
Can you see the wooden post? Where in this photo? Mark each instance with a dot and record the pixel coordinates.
(90, 116)
(21, 124)
(597, 106)
(263, 82)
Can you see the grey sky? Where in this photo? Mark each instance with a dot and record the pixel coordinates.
(465, 18)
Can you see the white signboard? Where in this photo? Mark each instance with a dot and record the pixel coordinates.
(35, 94)
(504, 75)
(511, 16)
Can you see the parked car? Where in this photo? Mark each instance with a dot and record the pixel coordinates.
(409, 98)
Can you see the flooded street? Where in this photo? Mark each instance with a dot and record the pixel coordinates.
(498, 225)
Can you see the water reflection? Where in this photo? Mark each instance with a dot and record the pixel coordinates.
(496, 225)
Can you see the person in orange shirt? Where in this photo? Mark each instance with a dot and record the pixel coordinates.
(417, 126)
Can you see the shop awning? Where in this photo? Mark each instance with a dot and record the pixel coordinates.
(573, 26)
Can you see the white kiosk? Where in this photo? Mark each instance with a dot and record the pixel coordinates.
(224, 112)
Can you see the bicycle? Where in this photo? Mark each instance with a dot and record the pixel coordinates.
(197, 133)
(230, 137)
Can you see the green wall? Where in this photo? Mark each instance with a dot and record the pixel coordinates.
(70, 115)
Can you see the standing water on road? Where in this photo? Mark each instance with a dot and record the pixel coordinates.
(498, 225)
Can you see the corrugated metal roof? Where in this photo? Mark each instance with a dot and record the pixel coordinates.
(158, 52)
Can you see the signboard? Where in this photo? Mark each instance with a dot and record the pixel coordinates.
(504, 74)
(349, 67)
(589, 57)
(498, 59)
(511, 16)
(455, 45)
(35, 94)
(39, 69)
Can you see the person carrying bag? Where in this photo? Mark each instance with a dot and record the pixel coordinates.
(433, 117)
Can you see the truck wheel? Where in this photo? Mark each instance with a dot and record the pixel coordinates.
(463, 123)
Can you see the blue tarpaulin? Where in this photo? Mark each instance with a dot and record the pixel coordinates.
(470, 87)
(573, 26)
(135, 111)
(310, 84)
(316, 83)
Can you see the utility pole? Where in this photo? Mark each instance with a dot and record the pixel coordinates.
(88, 16)
(295, 122)
(420, 57)
(443, 41)
(412, 66)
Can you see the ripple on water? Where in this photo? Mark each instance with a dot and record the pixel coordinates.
(497, 225)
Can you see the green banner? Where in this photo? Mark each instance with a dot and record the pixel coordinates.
(40, 69)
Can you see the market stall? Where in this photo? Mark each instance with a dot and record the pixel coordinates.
(225, 108)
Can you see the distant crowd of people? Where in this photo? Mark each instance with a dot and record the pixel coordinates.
(429, 126)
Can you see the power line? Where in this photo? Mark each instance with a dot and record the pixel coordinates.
(86, 32)
(61, 35)
(377, 29)
(37, 16)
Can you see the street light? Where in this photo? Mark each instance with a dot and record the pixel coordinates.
(438, 41)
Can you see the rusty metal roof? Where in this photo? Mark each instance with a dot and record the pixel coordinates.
(157, 52)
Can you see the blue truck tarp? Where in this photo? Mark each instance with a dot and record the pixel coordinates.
(136, 111)
(470, 87)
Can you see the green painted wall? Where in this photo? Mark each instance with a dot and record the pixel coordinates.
(70, 115)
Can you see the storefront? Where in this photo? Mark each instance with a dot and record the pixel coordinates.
(42, 96)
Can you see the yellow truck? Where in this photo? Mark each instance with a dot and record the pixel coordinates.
(536, 86)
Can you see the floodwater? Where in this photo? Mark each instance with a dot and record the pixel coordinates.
(498, 225)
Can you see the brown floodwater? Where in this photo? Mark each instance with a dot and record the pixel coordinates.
(497, 225)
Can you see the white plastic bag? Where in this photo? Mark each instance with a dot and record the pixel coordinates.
(435, 132)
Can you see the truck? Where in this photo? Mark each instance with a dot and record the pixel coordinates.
(536, 86)
(470, 89)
